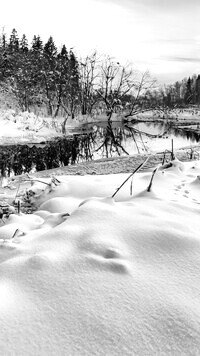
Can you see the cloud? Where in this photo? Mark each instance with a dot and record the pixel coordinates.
(180, 59)
(173, 41)
(168, 5)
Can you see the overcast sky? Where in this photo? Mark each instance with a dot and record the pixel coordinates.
(162, 36)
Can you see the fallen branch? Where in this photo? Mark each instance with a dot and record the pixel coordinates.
(136, 170)
(36, 180)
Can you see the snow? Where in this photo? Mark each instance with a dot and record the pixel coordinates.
(26, 127)
(119, 276)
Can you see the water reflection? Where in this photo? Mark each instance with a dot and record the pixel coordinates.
(91, 141)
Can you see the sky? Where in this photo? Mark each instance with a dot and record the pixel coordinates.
(161, 36)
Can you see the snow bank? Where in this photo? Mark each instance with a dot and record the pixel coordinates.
(117, 277)
(26, 127)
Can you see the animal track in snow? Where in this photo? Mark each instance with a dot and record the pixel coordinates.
(116, 265)
(38, 262)
(107, 257)
(112, 253)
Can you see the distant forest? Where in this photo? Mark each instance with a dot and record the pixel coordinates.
(41, 77)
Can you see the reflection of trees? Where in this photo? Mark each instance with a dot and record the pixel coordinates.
(112, 141)
(109, 140)
(103, 140)
(185, 133)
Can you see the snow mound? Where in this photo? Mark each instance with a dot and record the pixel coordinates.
(119, 276)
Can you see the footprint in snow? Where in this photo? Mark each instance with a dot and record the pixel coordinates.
(111, 259)
(38, 262)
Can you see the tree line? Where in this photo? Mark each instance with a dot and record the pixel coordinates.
(41, 76)
(38, 75)
(183, 93)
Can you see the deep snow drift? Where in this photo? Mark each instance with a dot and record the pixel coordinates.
(117, 277)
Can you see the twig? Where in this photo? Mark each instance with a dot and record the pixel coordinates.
(56, 180)
(131, 187)
(36, 180)
(151, 181)
(18, 206)
(163, 161)
(136, 170)
(17, 189)
(15, 233)
(166, 151)
(172, 154)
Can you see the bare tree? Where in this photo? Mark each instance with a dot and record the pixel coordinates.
(142, 85)
(118, 82)
(88, 78)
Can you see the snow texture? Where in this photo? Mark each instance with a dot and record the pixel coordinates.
(117, 277)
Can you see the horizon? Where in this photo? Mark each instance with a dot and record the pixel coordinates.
(158, 36)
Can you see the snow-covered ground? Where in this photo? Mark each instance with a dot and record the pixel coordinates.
(119, 276)
(186, 115)
(26, 127)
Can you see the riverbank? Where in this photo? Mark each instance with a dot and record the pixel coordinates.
(120, 164)
(13, 188)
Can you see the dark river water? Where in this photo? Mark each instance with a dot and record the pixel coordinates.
(117, 140)
(91, 142)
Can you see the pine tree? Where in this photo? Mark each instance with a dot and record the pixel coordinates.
(50, 50)
(63, 53)
(24, 44)
(62, 75)
(188, 93)
(14, 42)
(4, 65)
(3, 42)
(37, 45)
(49, 73)
(74, 84)
(198, 90)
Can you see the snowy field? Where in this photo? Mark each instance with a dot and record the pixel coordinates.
(118, 276)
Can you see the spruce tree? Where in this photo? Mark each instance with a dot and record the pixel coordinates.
(24, 44)
(62, 77)
(14, 42)
(37, 45)
(4, 62)
(188, 93)
(74, 84)
(49, 73)
(198, 90)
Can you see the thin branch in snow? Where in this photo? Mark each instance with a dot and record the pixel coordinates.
(36, 180)
(136, 170)
(172, 155)
(151, 181)
(17, 189)
(131, 187)
(164, 156)
(19, 206)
